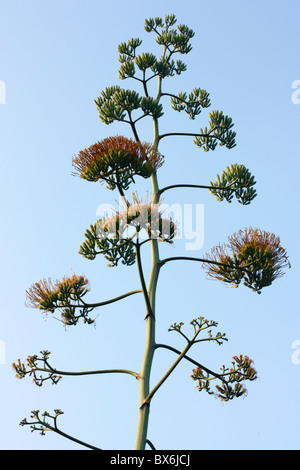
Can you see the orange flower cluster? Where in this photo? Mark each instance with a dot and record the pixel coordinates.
(64, 295)
(47, 295)
(32, 363)
(242, 370)
(116, 160)
(256, 257)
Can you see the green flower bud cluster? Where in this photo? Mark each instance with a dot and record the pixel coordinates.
(219, 131)
(192, 104)
(174, 40)
(99, 239)
(114, 103)
(238, 182)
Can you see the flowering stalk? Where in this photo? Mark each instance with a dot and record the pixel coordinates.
(252, 256)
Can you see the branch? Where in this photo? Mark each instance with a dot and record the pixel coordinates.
(54, 374)
(202, 260)
(45, 426)
(92, 372)
(188, 134)
(201, 324)
(110, 301)
(196, 363)
(200, 186)
(132, 124)
(176, 97)
(150, 444)
(142, 279)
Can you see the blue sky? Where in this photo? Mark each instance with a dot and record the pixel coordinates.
(55, 59)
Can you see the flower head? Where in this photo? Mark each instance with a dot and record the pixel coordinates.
(252, 255)
(46, 295)
(116, 160)
(64, 295)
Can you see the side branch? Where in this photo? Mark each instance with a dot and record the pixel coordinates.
(199, 325)
(54, 375)
(196, 363)
(90, 372)
(202, 260)
(142, 279)
(198, 186)
(41, 425)
(110, 301)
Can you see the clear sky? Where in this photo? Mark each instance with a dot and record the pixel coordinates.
(55, 59)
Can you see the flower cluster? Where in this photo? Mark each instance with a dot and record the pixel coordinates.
(40, 424)
(114, 236)
(237, 181)
(32, 364)
(116, 160)
(219, 132)
(241, 370)
(253, 256)
(65, 295)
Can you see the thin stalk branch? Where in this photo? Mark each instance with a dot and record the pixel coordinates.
(145, 84)
(182, 334)
(86, 372)
(139, 118)
(150, 444)
(151, 77)
(200, 186)
(188, 134)
(177, 98)
(202, 260)
(120, 189)
(142, 279)
(133, 127)
(48, 427)
(196, 363)
(106, 302)
(170, 370)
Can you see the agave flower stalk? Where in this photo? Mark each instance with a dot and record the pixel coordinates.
(254, 257)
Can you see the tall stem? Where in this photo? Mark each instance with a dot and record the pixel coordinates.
(144, 376)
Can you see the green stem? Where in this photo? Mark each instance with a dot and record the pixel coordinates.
(200, 186)
(196, 363)
(202, 260)
(144, 376)
(142, 279)
(48, 427)
(168, 373)
(190, 134)
(106, 302)
(51, 370)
